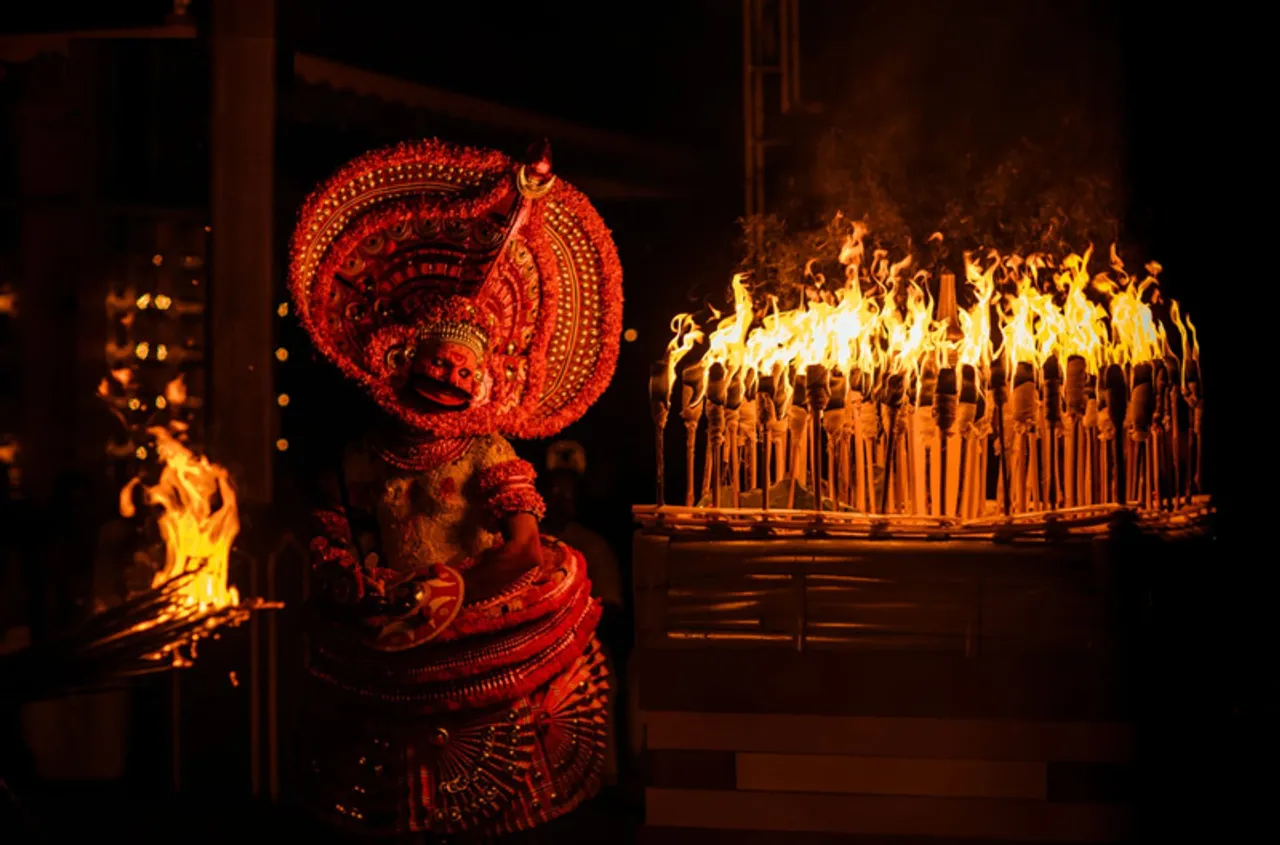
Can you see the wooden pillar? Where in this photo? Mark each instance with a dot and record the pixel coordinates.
(54, 177)
(242, 422)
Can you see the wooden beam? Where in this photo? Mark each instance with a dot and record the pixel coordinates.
(852, 775)
(21, 48)
(975, 739)
(242, 422)
(317, 70)
(889, 815)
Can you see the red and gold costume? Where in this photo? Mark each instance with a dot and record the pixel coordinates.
(458, 686)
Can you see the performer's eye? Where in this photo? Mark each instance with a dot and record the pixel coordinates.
(440, 362)
(464, 373)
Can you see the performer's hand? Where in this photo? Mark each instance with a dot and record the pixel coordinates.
(500, 567)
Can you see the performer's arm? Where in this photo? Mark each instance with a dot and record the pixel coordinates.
(514, 503)
(338, 573)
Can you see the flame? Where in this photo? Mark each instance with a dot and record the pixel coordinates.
(1136, 336)
(728, 342)
(198, 523)
(686, 337)
(1030, 322)
(1083, 325)
(175, 392)
(975, 323)
(1175, 317)
(882, 321)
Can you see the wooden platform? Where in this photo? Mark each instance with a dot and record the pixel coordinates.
(844, 690)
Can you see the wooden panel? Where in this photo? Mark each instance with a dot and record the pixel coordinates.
(650, 835)
(1043, 612)
(691, 769)
(879, 558)
(649, 585)
(907, 610)
(1028, 821)
(823, 594)
(911, 684)
(1069, 742)
(757, 602)
(890, 776)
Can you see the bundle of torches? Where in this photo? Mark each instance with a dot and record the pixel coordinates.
(189, 599)
(197, 516)
(198, 520)
(872, 398)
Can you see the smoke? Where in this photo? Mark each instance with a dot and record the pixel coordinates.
(998, 127)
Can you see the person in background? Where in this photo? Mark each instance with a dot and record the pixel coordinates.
(566, 470)
(563, 483)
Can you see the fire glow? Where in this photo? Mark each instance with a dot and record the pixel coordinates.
(1083, 387)
(198, 521)
(158, 628)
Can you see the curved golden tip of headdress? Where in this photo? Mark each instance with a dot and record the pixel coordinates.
(538, 157)
(535, 179)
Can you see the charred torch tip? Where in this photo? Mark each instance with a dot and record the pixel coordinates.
(538, 157)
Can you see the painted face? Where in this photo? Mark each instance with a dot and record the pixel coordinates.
(445, 374)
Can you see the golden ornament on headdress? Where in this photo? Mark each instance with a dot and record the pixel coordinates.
(465, 334)
(533, 186)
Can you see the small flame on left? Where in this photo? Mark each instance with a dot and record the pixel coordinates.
(198, 522)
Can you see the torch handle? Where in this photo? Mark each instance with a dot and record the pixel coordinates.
(715, 451)
(1072, 463)
(691, 442)
(1119, 489)
(889, 463)
(1004, 456)
(833, 447)
(815, 457)
(660, 497)
(942, 472)
(766, 447)
(733, 459)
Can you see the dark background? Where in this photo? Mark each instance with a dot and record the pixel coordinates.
(970, 117)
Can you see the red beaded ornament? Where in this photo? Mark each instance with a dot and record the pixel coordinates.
(406, 237)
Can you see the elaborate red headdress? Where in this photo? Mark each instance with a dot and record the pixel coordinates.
(429, 237)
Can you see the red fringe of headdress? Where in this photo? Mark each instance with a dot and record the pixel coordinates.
(515, 405)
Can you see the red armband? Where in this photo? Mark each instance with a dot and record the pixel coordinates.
(332, 525)
(508, 490)
(336, 569)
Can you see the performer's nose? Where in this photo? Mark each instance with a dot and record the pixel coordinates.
(456, 379)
